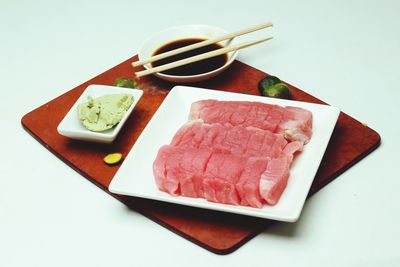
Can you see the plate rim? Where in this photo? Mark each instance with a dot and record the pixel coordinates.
(289, 216)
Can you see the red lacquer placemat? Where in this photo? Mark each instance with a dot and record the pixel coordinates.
(218, 232)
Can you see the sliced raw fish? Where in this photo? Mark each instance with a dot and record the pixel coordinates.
(273, 181)
(221, 175)
(248, 186)
(291, 149)
(233, 152)
(179, 171)
(293, 122)
(237, 140)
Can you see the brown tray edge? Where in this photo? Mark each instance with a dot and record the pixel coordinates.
(141, 211)
(350, 164)
(223, 251)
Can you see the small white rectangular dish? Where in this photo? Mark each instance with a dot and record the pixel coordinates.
(135, 176)
(71, 126)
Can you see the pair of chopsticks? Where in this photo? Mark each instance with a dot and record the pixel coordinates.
(206, 55)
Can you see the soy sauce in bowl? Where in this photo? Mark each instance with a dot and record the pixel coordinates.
(194, 68)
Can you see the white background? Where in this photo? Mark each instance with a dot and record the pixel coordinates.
(346, 53)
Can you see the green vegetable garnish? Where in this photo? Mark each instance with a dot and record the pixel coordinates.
(112, 158)
(125, 82)
(278, 90)
(272, 86)
(267, 82)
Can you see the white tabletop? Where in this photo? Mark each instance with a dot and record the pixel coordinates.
(346, 53)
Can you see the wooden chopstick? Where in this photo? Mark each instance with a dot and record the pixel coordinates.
(192, 59)
(201, 44)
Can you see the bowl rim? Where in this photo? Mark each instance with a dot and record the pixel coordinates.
(68, 125)
(173, 28)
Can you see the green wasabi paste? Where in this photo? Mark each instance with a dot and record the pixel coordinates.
(104, 112)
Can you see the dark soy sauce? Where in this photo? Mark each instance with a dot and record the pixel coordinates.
(198, 67)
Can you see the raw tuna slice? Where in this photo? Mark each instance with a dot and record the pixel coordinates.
(294, 123)
(180, 171)
(241, 113)
(291, 149)
(237, 140)
(221, 176)
(274, 180)
(160, 171)
(233, 152)
(248, 186)
(272, 174)
(198, 173)
(217, 177)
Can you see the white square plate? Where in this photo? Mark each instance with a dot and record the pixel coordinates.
(71, 126)
(135, 176)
